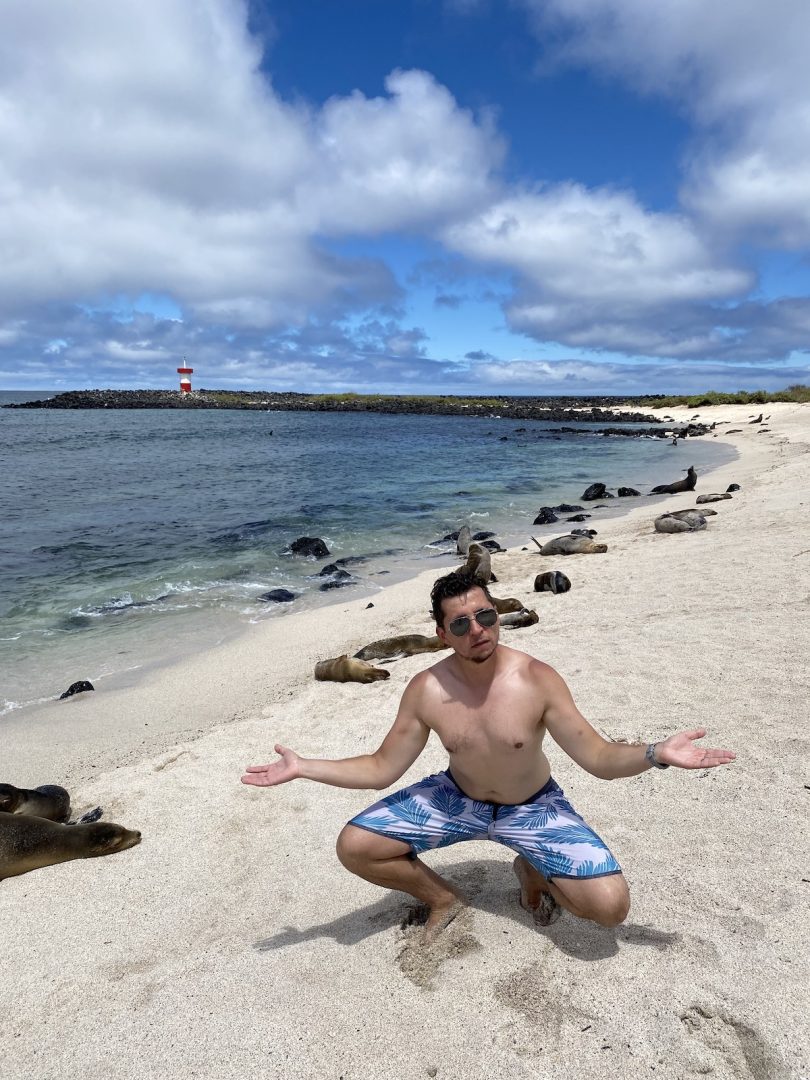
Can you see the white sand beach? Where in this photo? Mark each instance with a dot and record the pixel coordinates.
(231, 943)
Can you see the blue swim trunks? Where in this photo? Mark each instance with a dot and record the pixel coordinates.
(545, 830)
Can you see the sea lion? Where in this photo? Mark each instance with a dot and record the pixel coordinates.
(509, 603)
(347, 669)
(671, 523)
(396, 647)
(704, 510)
(552, 581)
(733, 487)
(572, 545)
(712, 498)
(26, 843)
(479, 563)
(463, 541)
(49, 801)
(516, 619)
(687, 484)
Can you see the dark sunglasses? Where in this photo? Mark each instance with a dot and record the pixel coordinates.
(487, 616)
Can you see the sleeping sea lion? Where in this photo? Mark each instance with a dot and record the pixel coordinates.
(552, 581)
(508, 603)
(26, 843)
(479, 563)
(396, 647)
(572, 545)
(687, 484)
(691, 510)
(713, 498)
(49, 801)
(515, 619)
(347, 669)
(682, 522)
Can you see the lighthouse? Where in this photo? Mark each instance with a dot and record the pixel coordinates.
(185, 381)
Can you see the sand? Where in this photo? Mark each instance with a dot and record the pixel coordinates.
(231, 943)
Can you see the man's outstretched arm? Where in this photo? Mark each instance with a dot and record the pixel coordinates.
(398, 751)
(609, 760)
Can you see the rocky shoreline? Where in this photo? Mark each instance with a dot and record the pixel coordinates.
(558, 410)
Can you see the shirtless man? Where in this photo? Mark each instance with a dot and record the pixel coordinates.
(491, 706)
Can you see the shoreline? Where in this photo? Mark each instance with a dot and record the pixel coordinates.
(240, 634)
(233, 917)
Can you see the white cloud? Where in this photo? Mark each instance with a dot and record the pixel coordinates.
(738, 69)
(596, 269)
(142, 150)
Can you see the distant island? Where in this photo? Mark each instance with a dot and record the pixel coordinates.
(558, 409)
(595, 409)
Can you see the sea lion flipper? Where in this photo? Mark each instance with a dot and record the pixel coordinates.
(89, 817)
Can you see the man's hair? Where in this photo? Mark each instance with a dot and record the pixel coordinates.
(454, 584)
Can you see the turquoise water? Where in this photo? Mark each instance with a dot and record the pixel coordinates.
(129, 536)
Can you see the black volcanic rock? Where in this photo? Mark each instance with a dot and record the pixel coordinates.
(309, 545)
(277, 596)
(79, 687)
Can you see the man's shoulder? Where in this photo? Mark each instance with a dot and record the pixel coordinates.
(525, 663)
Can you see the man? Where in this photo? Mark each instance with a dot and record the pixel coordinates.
(491, 706)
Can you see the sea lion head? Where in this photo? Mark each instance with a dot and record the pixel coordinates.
(104, 838)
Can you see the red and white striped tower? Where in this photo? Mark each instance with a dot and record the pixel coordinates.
(185, 381)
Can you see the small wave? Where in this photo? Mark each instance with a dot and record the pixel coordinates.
(245, 532)
(77, 547)
(11, 706)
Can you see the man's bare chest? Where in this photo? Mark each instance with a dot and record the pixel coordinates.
(488, 728)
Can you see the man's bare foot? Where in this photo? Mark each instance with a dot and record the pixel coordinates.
(534, 894)
(440, 917)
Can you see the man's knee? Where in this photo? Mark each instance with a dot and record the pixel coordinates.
(351, 846)
(614, 906)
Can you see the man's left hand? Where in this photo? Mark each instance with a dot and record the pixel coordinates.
(679, 750)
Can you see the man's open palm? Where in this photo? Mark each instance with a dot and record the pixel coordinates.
(679, 750)
(279, 772)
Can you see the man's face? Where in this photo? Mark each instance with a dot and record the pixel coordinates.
(480, 642)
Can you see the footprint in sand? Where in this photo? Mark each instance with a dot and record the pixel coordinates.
(423, 953)
(739, 1047)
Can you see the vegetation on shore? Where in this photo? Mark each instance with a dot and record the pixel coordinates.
(796, 393)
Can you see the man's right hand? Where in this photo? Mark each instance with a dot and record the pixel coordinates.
(279, 772)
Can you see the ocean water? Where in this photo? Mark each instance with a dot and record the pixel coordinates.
(129, 538)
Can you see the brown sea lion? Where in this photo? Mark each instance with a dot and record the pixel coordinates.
(396, 647)
(712, 498)
(677, 523)
(347, 669)
(479, 563)
(687, 484)
(515, 619)
(508, 603)
(49, 801)
(691, 510)
(552, 581)
(26, 843)
(572, 545)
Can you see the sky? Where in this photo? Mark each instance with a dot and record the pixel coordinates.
(405, 196)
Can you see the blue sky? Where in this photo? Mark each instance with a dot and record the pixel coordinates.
(405, 196)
